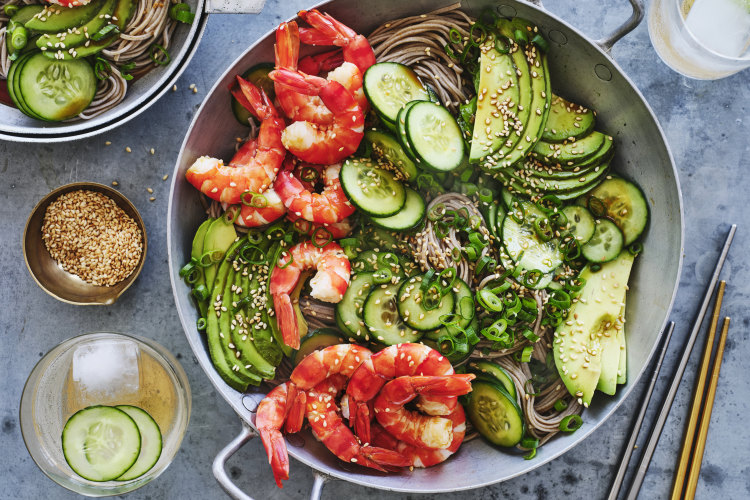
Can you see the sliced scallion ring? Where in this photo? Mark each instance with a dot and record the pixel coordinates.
(571, 423)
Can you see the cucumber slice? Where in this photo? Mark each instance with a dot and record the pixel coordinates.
(409, 217)
(100, 443)
(495, 414)
(605, 244)
(382, 319)
(258, 76)
(581, 223)
(435, 137)
(316, 340)
(349, 313)
(373, 190)
(56, 90)
(566, 120)
(401, 131)
(494, 372)
(624, 204)
(524, 246)
(388, 86)
(151, 442)
(387, 148)
(411, 305)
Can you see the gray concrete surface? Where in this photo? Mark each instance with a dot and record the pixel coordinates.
(708, 128)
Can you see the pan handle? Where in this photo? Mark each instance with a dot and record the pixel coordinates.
(220, 462)
(635, 19)
(234, 6)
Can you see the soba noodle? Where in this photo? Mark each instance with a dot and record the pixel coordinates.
(149, 25)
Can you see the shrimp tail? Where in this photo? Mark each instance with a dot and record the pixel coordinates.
(287, 45)
(403, 389)
(325, 29)
(382, 458)
(297, 81)
(254, 100)
(326, 61)
(287, 319)
(360, 418)
(296, 407)
(278, 457)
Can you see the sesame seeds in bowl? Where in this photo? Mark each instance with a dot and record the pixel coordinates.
(84, 243)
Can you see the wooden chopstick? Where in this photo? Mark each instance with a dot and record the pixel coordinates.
(700, 439)
(695, 409)
(630, 445)
(661, 418)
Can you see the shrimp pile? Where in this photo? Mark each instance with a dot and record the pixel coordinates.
(313, 125)
(329, 384)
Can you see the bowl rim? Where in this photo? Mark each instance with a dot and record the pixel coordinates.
(117, 197)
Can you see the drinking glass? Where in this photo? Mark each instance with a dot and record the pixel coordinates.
(102, 369)
(702, 39)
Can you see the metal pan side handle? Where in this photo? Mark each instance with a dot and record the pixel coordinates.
(608, 42)
(220, 462)
(633, 21)
(234, 6)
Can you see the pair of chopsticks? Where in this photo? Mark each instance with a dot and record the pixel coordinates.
(671, 393)
(693, 455)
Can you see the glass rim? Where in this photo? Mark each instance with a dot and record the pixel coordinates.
(711, 52)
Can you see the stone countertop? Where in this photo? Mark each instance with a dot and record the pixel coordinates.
(707, 125)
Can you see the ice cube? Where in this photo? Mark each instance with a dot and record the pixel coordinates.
(106, 371)
(721, 25)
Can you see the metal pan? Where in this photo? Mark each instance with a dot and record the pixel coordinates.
(583, 71)
(15, 126)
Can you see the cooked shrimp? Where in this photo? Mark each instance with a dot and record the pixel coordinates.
(325, 143)
(284, 406)
(389, 363)
(328, 31)
(261, 159)
(302, 107)
(414, 428)
(327, 207)
(418, 456)
(328, 284)
(328, 427)
(340, 359)
(258, 210)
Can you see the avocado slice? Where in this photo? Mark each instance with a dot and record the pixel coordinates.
(219, 237)
(580, 340)
(622, 368)
(497, 102)
(541, 94)
(567, 120)
(569, 153)
(610, 346)
(64, 41)
(195, 253)
(55, 18)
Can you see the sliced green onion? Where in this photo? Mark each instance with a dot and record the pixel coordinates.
(211, 257)
(503, 44)
(570, 249)
(501, 288)
(389, 259)
(512, 305)
(285, 264)
(441, 229)
(455, 36)
(560, 298)
(309, 174)
(436, 212)
(349, 242)
(477, 240)
(525, 356)
(450, 319)
(10, 10)
(532, 278)
(201, 324)
(446, 345)
(530, 335)
(254, 237)
(561, 405)
(482, 34)
(486, 195)
(543, 229)
(276, 231)
(321, 237)
(575, 284)
(540, 42)
(528, 388)
(485, 263)
(302, 226)
(188, 268)
(427, 279)
(558, 219)
(19, 37)
(497, 331)
(571, 423)
(471, 253)
(446, 278)
(471, 335)
(253, 254)
(530, 455)
(520, 36)
(489, 300)
(466, 307)
(159, 55)
(517, 215)
(181, 12)
(635, 248)
(105, 32)
(549, 202)
(200, 292)
(382, 276)
(102, 68)
(475, 222)
(456, 254)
